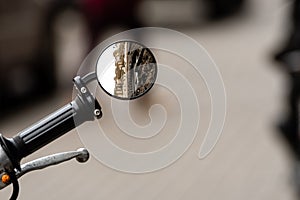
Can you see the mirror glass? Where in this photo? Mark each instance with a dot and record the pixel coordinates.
(126, 70)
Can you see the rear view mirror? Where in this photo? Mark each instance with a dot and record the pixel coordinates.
(130, 70)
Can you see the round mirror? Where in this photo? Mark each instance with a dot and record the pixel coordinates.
(126, 70)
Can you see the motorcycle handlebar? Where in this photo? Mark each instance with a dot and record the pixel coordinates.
(53, 126)
(83, 108)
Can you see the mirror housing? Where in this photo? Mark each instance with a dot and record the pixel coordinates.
(126, 70)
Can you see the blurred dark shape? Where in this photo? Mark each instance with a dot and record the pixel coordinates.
(289, 127)
(99, 15)
(102, 14)
(289, 57)
(24, 71)
(221, 9)
(27, 42)
(292, 42)
(27, 39)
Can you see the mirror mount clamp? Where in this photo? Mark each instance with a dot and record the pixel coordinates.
(85, 96)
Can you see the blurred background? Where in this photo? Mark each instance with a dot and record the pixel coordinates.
(254, 43)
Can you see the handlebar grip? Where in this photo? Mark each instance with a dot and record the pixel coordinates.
(46, 130)
(52, 127)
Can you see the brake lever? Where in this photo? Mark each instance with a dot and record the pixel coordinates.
(81, 155)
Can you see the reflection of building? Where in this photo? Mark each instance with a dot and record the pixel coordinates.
(134, 72)
(120, 71)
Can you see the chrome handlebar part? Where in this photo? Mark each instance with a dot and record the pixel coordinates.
(81, 155)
